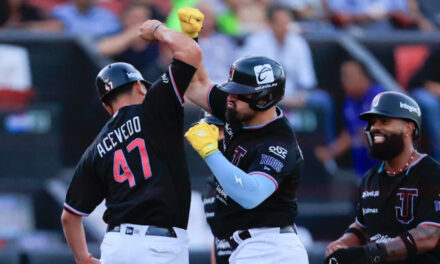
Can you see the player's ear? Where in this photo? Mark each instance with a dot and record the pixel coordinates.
(140, 88)
(108, 108)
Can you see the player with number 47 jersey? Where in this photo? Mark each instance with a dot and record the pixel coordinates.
(137, 162)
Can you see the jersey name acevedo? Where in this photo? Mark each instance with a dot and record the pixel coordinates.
(388, 206)
(270, 150)
(137, 162)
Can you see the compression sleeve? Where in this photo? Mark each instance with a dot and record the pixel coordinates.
(248, 190)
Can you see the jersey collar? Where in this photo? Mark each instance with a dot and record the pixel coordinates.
(279, 115)
(382, 165)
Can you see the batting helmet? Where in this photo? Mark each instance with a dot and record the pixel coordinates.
(262, 77)
(115, 75)
(395, 105)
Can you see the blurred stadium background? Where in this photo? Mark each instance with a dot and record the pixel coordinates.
(49, 111)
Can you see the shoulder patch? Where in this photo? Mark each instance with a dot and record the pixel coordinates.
(271, 162)
(279, 151)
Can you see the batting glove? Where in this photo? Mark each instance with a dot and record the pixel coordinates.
(372, 253)
(191, 21)
(203, 138)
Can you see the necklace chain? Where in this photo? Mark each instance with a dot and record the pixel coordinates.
(394, 172)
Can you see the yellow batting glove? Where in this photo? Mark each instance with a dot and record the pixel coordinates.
(203, 138)
(191, 21)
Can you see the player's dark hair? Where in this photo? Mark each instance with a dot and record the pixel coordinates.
(124, 89)
(273, 8)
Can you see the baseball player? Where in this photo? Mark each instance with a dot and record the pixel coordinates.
(257, 174)
(137, 162)
(398, 215)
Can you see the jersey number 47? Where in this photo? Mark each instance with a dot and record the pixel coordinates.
(120, 163)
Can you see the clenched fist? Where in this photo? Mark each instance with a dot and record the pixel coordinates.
(191, 21)
(203, 138)
(146, 29)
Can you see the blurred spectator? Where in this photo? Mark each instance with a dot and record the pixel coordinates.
(428, 98)
(83, 17)
(360, 91)
(431, 10)
(310, 15)
(15, 77)
(18, 14)
(127, 46)
(293, 52)
(219, 49)
(378, 14)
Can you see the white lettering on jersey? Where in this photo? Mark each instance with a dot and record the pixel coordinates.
(122, 133)
(137, 124)
(165, 78)
(366, 194)
(366, 211)
(101, 151)
(279, 151)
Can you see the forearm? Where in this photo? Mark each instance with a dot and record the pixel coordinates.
(247, 190)
(183, 47)
(199, 87)
(75, 237)
(116, 44)
(426, 238)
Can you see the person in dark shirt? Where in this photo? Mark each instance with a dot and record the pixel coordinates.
(398, 218)
(137, 162)
(257, 174)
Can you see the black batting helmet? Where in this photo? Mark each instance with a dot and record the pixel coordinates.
(260, 76)
(116, 75)
(395, 105)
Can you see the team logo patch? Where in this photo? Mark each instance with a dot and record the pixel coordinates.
(376, 99)
(108, 84)
(271, 162)
(231, 73)
(405, 212)
(279, 151)
(264, 74)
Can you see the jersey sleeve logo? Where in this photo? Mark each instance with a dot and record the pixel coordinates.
(165, 78)
(405, 212)
(279, 151)
(271, 162)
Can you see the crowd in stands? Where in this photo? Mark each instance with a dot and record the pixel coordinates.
(235, 28)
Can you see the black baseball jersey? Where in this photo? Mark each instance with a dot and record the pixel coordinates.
(388, 206)
(137, 162)
(270, 150)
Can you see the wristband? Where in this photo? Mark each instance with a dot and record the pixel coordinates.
(154, 29)
(410, 244)
(358, 233)
(375, 253)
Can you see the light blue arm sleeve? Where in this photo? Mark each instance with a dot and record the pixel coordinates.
(245, 189)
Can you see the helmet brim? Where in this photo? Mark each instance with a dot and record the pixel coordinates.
(236, 88)
(366, 116)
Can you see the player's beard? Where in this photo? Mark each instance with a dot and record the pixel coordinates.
(233, 117)
(391, 147)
